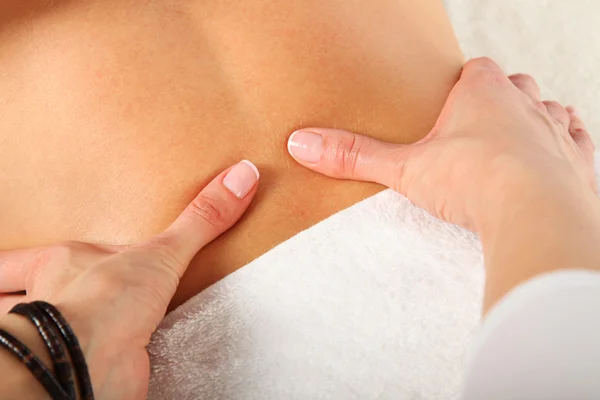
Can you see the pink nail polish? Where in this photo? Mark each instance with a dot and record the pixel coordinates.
(306, 146)
(241, 179)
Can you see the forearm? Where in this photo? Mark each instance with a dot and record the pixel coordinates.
(539, 231)
(17, 381)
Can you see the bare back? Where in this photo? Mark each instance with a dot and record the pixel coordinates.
(114, 113)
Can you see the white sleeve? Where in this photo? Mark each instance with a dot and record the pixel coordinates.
(542, 341)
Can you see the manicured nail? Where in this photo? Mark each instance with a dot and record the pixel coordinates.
(306, 146)
(241, 179)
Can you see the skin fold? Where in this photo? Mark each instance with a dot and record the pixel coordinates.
(113, 114)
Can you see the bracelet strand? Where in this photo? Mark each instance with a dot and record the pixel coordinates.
(35, 366)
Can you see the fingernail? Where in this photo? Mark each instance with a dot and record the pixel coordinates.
(305, 146)
(241, 179)
(573, 111)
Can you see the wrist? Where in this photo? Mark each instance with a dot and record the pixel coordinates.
(514, 186)
(96, 353)
(539, 227)
(17, 380)
(103, 351)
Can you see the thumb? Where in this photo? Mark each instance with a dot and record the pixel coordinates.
(216, 209)
(345, 155)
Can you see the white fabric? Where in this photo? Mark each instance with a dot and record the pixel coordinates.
(380, 301)
(540, 342)
(377, 302)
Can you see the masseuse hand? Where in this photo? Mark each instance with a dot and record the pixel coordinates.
(115, 297)
(498, 161)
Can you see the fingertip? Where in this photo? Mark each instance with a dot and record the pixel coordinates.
(290, 142)
(527, 84)
(241, 179)
(573, 112)
(342, 154)
(254, 168)
(306, 146)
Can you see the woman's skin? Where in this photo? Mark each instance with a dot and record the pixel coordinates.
(500, 162)
(114, 297)
(115, 113)
(516, 170)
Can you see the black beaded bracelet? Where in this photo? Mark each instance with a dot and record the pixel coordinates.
(35, 366)
(84, 381)
(62, 366)
(57, 334)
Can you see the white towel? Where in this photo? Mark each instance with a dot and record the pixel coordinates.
(380, 300)
(377, 302)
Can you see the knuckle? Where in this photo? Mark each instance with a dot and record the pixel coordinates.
(487, 78)
(62, 253)
(540, 106)
(485, 72)
(45, 258)
(492, 77)
(346, 154)
(209, 209)
(552, 104)
(519, 76)
(557, 111)
(109, 282)
(162, 252)
(523, 80)
(482, 62)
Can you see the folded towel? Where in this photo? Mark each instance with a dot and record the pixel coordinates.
(379, 301)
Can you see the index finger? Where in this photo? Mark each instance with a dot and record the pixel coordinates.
(215, 210)
(14, 265)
